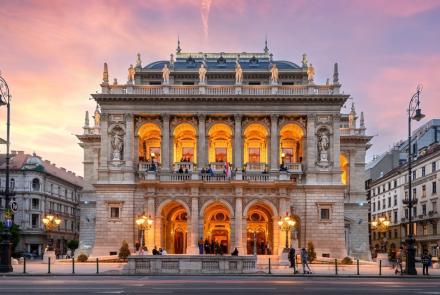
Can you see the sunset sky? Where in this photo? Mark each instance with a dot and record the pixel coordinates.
(52, 55)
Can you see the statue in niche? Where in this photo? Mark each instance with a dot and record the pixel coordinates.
(97, 117)
(274, 74)
(202, 74)
(166, 74)
(311, 73)
(117, 142)
(238, 74)
(323, 146)
(131, 72)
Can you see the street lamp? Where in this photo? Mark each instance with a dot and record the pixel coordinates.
(286, 224)
(144, 223)
(5, 245)
(414, 113)
(51, 222)
(381, 225)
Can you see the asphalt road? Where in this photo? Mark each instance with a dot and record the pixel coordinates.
(215, 285)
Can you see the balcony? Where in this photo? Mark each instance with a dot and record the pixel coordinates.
(406, 201)
(295, 168)
(148, 166)
(255, 167)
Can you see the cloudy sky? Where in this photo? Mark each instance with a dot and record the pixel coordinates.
(52, 54)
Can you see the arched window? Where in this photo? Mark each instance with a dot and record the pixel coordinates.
(36, 185)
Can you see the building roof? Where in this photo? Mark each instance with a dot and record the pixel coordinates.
(21, 161)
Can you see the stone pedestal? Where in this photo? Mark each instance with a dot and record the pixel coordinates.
(50, 254)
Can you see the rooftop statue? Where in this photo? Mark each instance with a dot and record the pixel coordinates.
(131, 72)
(311, 73)
(202, 74)
(97, 117)
(238, 74)
(166, 74)
(304, 61)
(138, 61)
(274, 76)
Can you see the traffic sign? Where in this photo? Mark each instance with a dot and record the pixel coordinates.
(13, 205)
(8, 223)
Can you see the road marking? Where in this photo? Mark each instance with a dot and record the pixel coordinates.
(213, 288)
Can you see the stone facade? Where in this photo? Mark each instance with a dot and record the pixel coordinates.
(223, 159)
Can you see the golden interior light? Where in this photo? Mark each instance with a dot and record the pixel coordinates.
(57, 221)
(374, 223)
(386, 222)
(291, 222)
(50, 217)
(149, 221)
(280, 223)
(139, 221)
(45, 220)
(153, 155)
(381, 219)
(283, 155)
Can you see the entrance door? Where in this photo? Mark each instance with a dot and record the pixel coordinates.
(178, 242)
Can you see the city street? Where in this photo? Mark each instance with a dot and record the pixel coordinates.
(215, 285)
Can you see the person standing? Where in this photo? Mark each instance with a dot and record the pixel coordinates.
(399, 256)
(201, 246)
(291, 257)
(304, 260)
(426, 261)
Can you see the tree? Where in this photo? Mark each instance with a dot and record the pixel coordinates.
(311, 251)
(15, 234)
(73, 245)
(124, 251)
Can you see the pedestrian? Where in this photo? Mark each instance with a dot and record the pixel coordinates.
(207, 247)
(235, 252)
(200, 246)
(155, 252)
(291, 257)
(426, 261)
(304, 261)
(399, 256)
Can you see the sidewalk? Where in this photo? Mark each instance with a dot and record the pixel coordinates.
(65, 268)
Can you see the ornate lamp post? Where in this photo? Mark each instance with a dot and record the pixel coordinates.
(286, 224)
(51, 222)
(381, 225)
(414, 113)
(144, 223)
(5, 245)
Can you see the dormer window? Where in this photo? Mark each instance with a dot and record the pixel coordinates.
(253, 60)
(221, 60)
(190, 60)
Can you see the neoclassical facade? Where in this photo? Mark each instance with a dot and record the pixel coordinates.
(221, 146)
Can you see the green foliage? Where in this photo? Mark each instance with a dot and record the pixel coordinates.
(124, 251)
(82, 257)
(15, 234)
(73, 244)
(347, 260)
(311, 251)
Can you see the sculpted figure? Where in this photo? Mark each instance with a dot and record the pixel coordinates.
(202, 74)
(97, 117)
(131, 72)
(323, 145)
(274, 76)
(117, 142)
(311, 72)
(166, 74)
(238, 74)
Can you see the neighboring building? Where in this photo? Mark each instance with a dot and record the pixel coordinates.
(221, 146)
(39, 188)
(391, 161)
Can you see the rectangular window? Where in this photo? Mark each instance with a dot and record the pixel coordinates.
(434, 228)
(395, 200)
(221, 154)
(389, 202)
(414, 194)
(35, 220)
(114, 212)
(406, 213)
(35, 204)
(154, 154)
(434, 207)
(414, 211)
(434, 187)
(325, 214)
(395, 217)
(425, 229)
(433, 166)
(396, 234)
(395, 183)
(378, 205)
(383, 204)
(414, 175)
(424, 209)
(254, 155)
(374, 207)
(423, 171)
(423, 191)
(287, 155)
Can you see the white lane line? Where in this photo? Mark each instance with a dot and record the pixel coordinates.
(213, 288)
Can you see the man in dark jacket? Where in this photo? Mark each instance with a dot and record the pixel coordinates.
(426, 261)
(292, 257)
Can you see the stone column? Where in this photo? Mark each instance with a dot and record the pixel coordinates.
(239, 225)
(157, 232)
(129, 145)
(149, 240)
(166, 142)
(274, 148)
(336, 143)
(311, 152)
(282, 234)
(201, 143)
(104, 141)
(238, 145)
(194, 236)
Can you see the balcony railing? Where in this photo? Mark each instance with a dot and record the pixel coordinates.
(293, 167)
(148, 166)
(257, 177)
(223, 89)
(255, 167)
(186, 166)
(406, 201)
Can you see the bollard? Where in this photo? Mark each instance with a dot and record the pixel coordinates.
(357, 265)
(97, 265)
(336, 266)
(269, 267)
(24, 264)
(73, 265)
(380, 267)
(48, 264)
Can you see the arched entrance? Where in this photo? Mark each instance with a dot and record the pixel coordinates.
(291, 145)
(149, 145)
(259, 230)
(217, 227)
(174, 228)
(255, 147)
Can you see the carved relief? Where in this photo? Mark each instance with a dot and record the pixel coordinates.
(323, 144)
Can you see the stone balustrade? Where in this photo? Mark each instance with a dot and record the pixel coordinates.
(190, 264)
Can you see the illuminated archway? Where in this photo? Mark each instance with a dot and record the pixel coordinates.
(345, 167)
(220, 143)
(185, 143)
(149, 144)
(259, 229)
(255, 146)
(174, 228)
(217, 226)
(291, 144)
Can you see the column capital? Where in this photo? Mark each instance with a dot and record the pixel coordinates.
(201, 117)
(238, 117)
(165, 116)
(274, 117)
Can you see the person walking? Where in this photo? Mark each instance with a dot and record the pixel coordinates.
(426, 261)
(291, 256)
(399, 256)
(304, 261)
